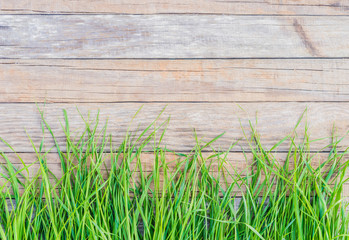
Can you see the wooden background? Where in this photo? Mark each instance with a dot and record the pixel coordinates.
(206, 60)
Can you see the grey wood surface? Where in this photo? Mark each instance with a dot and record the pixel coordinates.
(173, 36)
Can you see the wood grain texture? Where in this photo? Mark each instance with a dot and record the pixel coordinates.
(235, 163)
(287, 7)
(174, 80)
(275, 121)
(172, 36)
(53, 160)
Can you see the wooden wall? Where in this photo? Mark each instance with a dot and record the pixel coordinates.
(207, 60)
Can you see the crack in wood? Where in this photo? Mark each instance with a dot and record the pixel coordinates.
(305, 39)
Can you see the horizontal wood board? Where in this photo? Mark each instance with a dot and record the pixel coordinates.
(247, 80)
(275, 121)
(173, 36)
(234, 164)
(257, 7)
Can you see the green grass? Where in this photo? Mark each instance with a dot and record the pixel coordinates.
(296, 198)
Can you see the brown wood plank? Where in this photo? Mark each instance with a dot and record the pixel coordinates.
(53, 160)
(235, 163)
(287, 7)
(172, 36)
(174, 80)
(275, 121)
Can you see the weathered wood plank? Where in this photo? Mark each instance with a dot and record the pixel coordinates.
(172, 36)
(275, 121)
(53, 160)
(287, 7)
(174, 80)
(235, 163)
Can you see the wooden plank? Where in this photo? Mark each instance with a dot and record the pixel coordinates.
(53, 160)
(275, 121)
(174, 80)
(235, 163)
(287, 7)
(172, 36)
